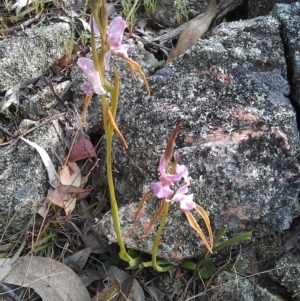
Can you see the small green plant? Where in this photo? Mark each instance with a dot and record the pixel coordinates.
(14, 18)
(150, 6)
(129, 11)
(181, 11)
(85, 7)
(69, 43)
(3, 23)
(6, 5)
(46, 244)
(38, 4)
(83, 38)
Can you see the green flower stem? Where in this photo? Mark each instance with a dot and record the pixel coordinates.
(147, 264)
(156, 242)
(188, 264)
(114, 91)
(114, 205)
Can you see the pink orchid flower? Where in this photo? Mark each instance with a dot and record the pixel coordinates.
(186, 200)
(114, 38)
(94, 83)
(162, 188)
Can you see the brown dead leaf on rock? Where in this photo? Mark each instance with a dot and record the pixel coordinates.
(65, 196)
(194, 31)
(82, 149)
(70, 174)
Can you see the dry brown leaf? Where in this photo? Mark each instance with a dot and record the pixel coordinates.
(194, 31)
(70, 174)
(70, 206)
(82, 149)
(49, 278)
(47, 162)
(136, 293)
(78, 260)
(65, 196)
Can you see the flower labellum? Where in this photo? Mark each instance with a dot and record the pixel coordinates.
(94, 83)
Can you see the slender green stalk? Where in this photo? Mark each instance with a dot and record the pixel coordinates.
(114, 205)
(156, 242)
(114, 91)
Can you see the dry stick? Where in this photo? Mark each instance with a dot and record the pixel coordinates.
(225, 7)
(5, 131)
(9, 292)
(12, 142)
(175, 32)
(132, 9)
(19, 27)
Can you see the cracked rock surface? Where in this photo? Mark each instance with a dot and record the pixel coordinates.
(239, 138)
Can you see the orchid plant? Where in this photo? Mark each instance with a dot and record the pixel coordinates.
(111, 44)
(172, 187)
(174, 182)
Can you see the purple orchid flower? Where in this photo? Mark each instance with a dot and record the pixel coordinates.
(114, 38)
(185, 200)
(94, 83)
(162, 188)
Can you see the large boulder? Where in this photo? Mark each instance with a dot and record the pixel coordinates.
(239, 137)
(23, 178)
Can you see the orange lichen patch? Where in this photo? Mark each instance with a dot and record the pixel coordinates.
(282, 136)
(240, 212)
(143, 220)
(188, 140)
(175, 255)
(245, 135)
(220, 139)
(224, 78)
(242, 115)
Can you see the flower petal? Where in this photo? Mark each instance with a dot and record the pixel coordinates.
(86, 65)
(94, 80)
(122, 51)
(88, 68)
(95, 26)
(115, 33)
(107, 56)
(186, 201)
(181, 172)
(87, 88)
(160, 190)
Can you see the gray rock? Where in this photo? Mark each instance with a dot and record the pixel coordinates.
(287, 273)
(167, 11)
(23, 179)
(30, 51)
(289, 17)
(263, 7)
(233, 287)
(239, 138)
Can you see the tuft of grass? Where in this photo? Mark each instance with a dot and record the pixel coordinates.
(150, 6)
(129, 11)
(182, 11)
(69, 43)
